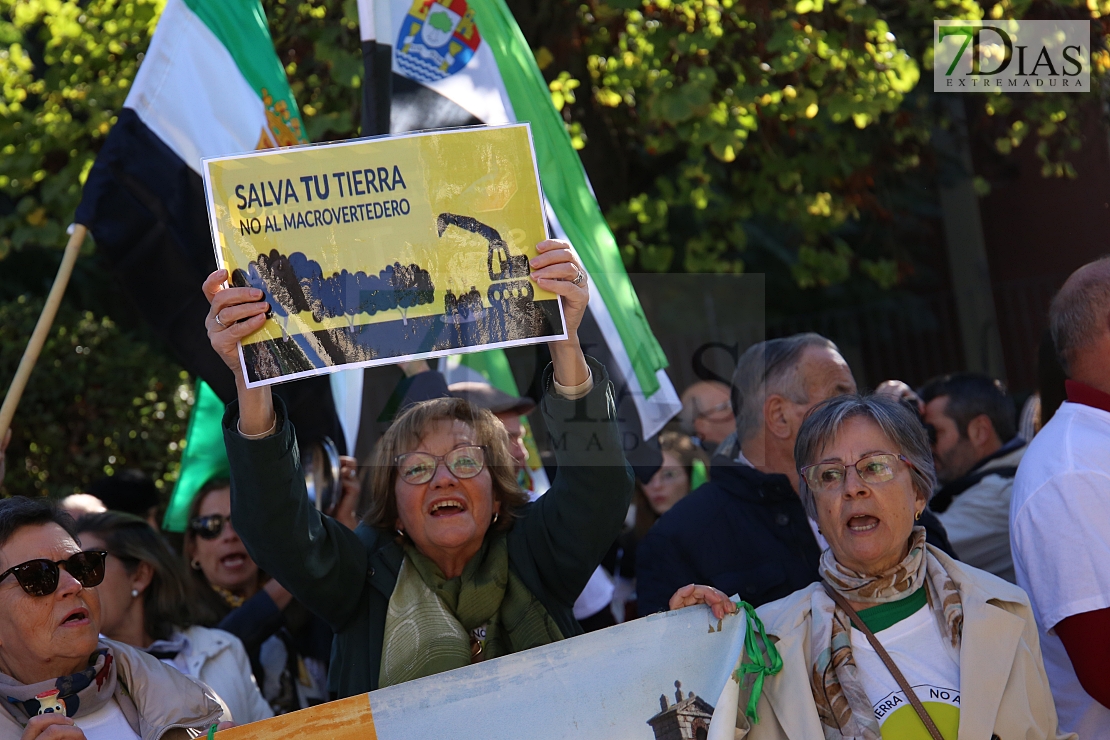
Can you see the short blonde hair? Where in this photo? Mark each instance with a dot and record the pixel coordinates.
(412, 426)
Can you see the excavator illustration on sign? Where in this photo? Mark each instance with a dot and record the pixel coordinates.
(509, 273)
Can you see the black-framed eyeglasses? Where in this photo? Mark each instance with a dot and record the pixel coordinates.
(829, 477)
(465, 461)
(208, 527)
(40, 577)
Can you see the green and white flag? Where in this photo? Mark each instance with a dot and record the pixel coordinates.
(210, 84)
(458, 62)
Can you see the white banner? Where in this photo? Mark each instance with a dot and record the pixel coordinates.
(650, 679)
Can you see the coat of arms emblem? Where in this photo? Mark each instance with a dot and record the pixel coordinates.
(437, 39)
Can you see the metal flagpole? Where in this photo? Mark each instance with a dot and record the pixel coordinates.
(377, 63)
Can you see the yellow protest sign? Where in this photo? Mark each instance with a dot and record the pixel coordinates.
(384, 250)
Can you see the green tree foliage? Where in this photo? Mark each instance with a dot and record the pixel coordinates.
(791, 137)
(103, 396)
(319, 44)
(65, 68)
(98, 401)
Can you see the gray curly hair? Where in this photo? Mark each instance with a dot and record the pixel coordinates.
(898, 423)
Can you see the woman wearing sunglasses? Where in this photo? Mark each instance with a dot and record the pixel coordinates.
(451, 564)
(58, 679)
(897, 640)
(288, 647)
(148, 601)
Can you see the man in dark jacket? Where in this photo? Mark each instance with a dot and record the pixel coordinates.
(745, 531)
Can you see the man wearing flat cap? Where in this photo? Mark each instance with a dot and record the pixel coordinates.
(508, 409)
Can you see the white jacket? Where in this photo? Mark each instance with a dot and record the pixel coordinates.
(1004, 688)
(978, 520)
(218, 659)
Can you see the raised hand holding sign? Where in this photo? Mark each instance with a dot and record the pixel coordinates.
(429, 251)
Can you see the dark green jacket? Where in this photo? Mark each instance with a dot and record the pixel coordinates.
(347, 577)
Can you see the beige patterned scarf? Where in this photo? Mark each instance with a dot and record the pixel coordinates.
(842, 704)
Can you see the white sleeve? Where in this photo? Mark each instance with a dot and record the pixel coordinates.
(259, 707)
(978, 523)
(1061, 536)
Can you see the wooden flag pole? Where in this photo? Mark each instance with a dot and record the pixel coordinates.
(42, 329)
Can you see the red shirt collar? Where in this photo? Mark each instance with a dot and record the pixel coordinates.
(1086, 395)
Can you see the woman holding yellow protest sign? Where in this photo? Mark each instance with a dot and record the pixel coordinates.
(451, 565)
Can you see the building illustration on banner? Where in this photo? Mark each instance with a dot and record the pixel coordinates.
(687, 719)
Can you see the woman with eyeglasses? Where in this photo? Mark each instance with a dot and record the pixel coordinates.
(451, 564)
(288, 647)
(897, 640)
(148, 601)
(59, 680)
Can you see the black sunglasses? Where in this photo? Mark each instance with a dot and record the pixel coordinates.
(208, 527)
(40, 577)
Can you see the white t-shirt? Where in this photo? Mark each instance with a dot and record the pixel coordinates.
(1060, 538)
(918, 648)
(106, 723)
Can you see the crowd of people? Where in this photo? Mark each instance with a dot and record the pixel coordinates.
(898, 545)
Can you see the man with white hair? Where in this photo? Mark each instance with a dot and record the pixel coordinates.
(745, 531)
(1060, 511)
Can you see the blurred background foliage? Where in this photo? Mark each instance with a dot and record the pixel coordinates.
(100, 401)
(789, 138)
(786, 137)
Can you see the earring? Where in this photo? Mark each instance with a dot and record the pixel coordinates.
(917, 516)
(495, 517)
(134, 593)
(195, 564)
(400, 532)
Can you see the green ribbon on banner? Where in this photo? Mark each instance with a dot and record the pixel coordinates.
(565, 186)
(204, 458)
(761, 665)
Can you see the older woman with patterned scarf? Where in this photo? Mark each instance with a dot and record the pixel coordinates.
(58, 679)
(451, 564)
(962, 642)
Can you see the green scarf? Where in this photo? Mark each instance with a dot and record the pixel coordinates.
(435, 624)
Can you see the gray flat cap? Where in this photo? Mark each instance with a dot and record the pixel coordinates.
(486, 396)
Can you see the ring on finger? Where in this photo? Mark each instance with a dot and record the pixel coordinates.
(220, 322)
(580, 276)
